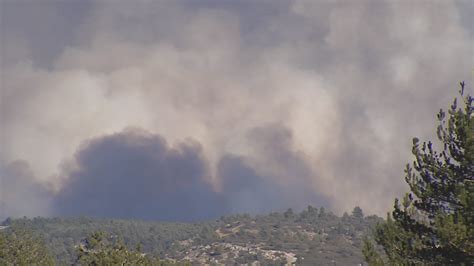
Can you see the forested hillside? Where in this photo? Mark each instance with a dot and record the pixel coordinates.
(312, 236)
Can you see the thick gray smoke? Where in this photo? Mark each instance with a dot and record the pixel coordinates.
(284, 186)
(21, 193)
(318, 99)
(137, 174)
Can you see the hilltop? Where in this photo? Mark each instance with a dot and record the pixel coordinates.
(312, 236)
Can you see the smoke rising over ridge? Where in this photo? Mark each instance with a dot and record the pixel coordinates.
(287, 103)
(135, 173)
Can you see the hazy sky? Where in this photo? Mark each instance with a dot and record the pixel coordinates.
(182, 110)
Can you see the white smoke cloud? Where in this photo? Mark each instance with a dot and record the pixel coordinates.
(352, 82)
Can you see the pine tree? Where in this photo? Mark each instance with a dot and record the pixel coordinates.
(19, 246)
(98, 249)
(357, 213)
(434, 222)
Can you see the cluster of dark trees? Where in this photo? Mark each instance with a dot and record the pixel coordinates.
(23, 247)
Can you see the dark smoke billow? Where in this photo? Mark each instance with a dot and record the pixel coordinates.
(134, 174)
(137, 174)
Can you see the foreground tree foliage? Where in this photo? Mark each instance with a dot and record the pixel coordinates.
(21, 247)
(434, 222)
(97, 249)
